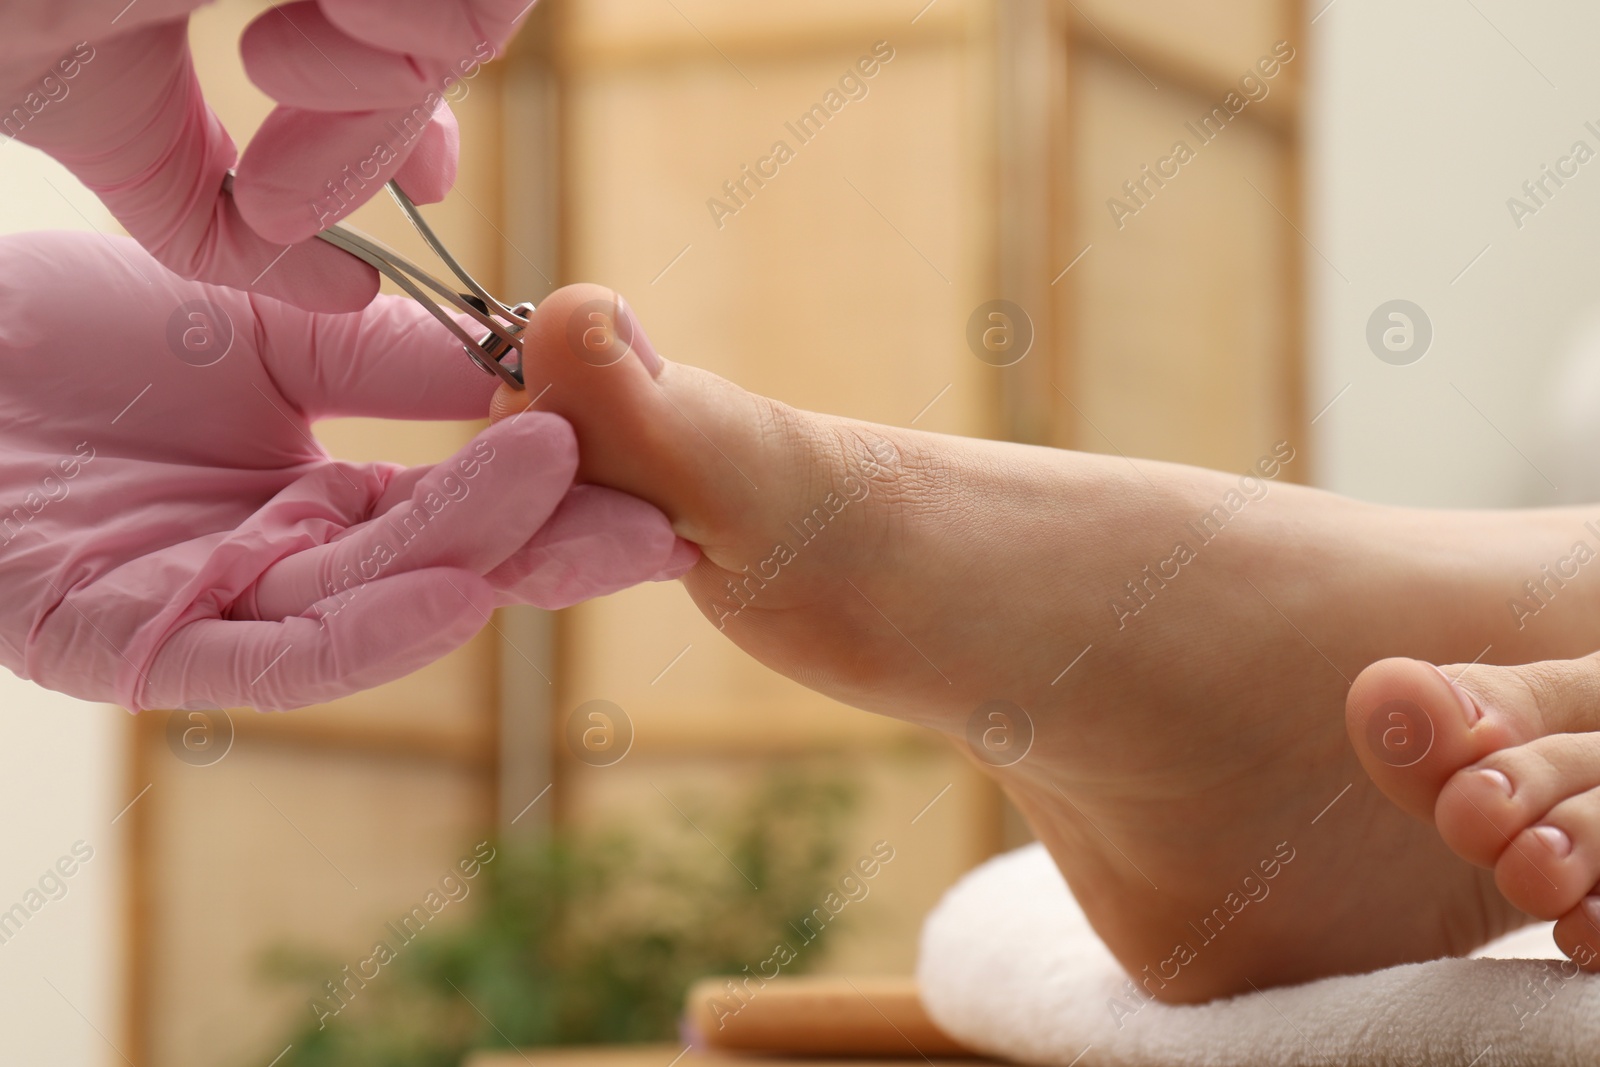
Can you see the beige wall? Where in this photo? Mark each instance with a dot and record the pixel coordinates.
(1426, 118)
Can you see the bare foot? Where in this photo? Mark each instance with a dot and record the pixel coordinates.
(1505, 761)
(1188, 765)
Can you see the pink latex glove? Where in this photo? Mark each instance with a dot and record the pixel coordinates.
(115, 99)
(362, 75)
(171, 534)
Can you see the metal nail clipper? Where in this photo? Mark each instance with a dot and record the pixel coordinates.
(504, 324)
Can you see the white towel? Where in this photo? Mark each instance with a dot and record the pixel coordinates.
(1010, 967)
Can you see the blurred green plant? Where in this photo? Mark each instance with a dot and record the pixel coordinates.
(586, 939)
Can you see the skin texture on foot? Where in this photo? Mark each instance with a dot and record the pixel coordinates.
(1505, 762)
(1186, 760)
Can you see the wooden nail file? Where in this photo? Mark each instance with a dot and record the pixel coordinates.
(816, 1016)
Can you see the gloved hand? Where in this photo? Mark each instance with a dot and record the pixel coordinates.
(117, 102)
(171, 534)
(355, 82)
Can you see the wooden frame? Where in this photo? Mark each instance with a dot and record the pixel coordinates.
(1037, 41)
(1028, 43)
(943, 27)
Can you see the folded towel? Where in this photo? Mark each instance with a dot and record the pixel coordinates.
(1010, 967)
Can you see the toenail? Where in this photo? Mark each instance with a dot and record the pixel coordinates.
(1555, 840)
(1499, 779)
(1591, 910)
(635, 333)
(1469, 707)
(603, 333)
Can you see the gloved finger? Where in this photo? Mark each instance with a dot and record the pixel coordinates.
(507, 402)
(305, 170)
(429, 173)
(392, 361)
(468, 513)
(296, 56)
(446, 29)
(598, 542)
(138, 133)
(394, 626)
(683, 558)
(300, 59)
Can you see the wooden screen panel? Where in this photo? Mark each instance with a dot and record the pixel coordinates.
(698, 29)
(807, 294)
(1181, 337)
(953, 805)
(842, 284)
(444, 706)
(687, 688)
(278, 844)
(1212, 41)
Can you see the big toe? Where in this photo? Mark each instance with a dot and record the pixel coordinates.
(666, 433)
(1414, 725)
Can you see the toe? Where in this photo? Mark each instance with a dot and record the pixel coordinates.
(731, 470)
(583, 358)
(1577, 934)
(1549, 868)
(662, 432)
(1485, 806)
(1414, 725)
